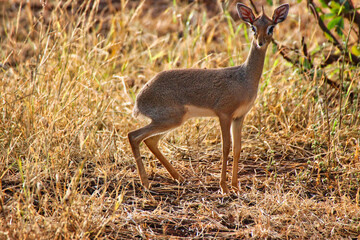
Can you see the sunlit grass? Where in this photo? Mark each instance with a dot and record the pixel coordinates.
(69, 80)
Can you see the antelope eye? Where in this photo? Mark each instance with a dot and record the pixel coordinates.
(270, 30)
(253, 28)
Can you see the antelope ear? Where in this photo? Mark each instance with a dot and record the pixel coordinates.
(245, 13)
(280, 13)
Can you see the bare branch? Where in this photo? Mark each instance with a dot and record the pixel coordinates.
(305, 51)
(254, 7)
(350, 14)
(283, 50)
(354, 60)
(321, 24)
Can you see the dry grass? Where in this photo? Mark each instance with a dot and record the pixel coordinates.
(69, 76)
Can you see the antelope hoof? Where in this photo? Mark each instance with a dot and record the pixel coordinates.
(224, 188)
(235, 185)
(145, 183)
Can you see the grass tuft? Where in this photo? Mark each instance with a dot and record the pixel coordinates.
(69, 75)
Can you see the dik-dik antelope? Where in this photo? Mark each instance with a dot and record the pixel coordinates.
(174, 96)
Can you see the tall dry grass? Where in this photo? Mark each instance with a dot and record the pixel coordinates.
(70, 73)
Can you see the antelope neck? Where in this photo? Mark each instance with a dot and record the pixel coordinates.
(254, 63)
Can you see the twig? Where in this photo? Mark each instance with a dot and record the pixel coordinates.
(354, 59)
(305, 51)
(283, 52)
(321, 24)
(254, 7)
(327, 123)
(342, 72)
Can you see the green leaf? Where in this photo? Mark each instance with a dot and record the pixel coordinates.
(334, 5)
(270, 2)
(323, 3)
(335, 22)
(346, 5)
(334, 125)
(329, 37)
(340, 27)
(355, 50)
(338, 24)
(328, 16)
(340, 10)
(306, 64)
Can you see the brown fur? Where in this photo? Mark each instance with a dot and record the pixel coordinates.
(173, 96)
